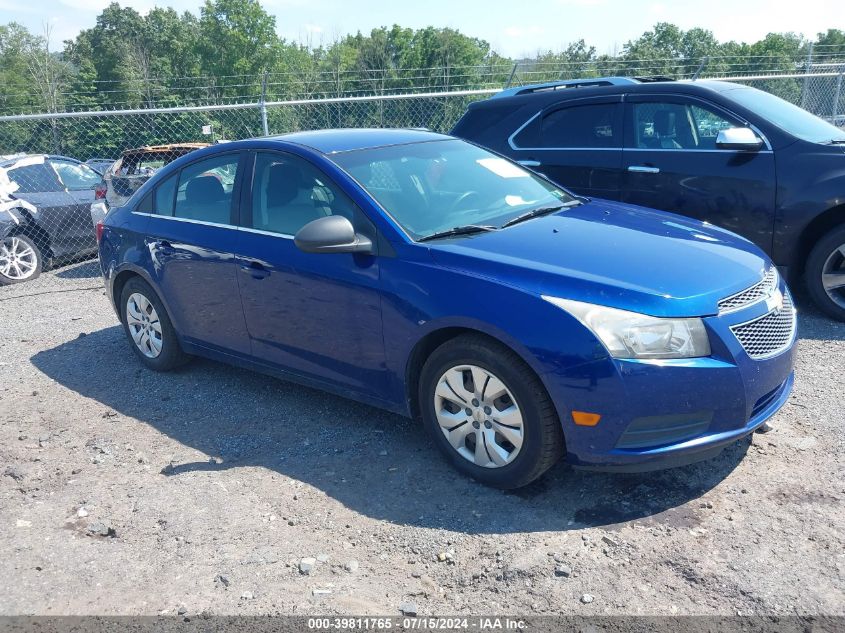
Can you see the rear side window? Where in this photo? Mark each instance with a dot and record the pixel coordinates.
(581, 126)
(205, 190)
(35, 179)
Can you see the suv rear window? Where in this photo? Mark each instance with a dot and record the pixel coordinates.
(588, 126)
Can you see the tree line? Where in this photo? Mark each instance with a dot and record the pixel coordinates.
(231, 52)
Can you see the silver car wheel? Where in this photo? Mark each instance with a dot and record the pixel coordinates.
(144, 325)
(479, 416)
(18, 260)
(833, 276)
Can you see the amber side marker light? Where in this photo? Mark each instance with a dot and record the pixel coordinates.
(582, 418)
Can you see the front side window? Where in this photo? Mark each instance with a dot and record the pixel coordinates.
(673, 125)
(76, 176)
(288, 193)
(435, 186)
(205, 190)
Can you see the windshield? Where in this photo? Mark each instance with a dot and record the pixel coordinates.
(786, 116)
(439, 185)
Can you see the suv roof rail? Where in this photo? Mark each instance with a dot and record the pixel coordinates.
(568, 83)
(577, 83)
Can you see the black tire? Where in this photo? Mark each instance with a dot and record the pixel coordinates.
(542, 444)
(814, 270)
(39, 261)
(171, 355)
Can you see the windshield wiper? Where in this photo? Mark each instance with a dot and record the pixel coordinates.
(467, 229)
(536, 213)
(837, 141)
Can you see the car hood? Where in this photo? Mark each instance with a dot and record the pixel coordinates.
(614, 254)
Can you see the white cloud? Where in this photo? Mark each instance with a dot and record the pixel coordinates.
(313, 28)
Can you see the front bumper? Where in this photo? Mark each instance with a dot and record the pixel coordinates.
(662, 414)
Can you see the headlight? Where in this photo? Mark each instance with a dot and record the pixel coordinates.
(633, 335)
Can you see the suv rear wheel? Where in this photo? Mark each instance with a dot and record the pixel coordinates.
(825, 273)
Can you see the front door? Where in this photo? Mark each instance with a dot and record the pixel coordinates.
(672, 163)
(191, 239)
(317, 315)
(578, 144)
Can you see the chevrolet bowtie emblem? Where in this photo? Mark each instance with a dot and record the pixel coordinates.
(775, 301)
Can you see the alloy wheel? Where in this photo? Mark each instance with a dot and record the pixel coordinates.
(18, 260)
(833, 276)
(479, 416)
(144, 325)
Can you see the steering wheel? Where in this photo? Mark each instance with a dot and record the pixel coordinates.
(466, 195)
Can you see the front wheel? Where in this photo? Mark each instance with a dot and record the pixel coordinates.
(489, 413)
(148, 327)
(20, 260)
(825, 273)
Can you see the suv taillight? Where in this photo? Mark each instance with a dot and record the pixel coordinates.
(100, 227)
(100, 191)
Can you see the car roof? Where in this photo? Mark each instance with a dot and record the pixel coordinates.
(10, 159)
(350, 139)
(553, 92)
(158, 149)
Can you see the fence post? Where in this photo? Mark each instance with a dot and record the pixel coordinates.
(837, 93)
(510, 79)
(262, 104)
(807, 68)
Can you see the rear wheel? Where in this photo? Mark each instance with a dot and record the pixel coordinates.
(148, 327)
(489, 413)
(825, 273)
(20, 260)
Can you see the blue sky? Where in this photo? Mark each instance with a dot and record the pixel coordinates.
(513, 28)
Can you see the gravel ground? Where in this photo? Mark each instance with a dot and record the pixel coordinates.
(217, 490)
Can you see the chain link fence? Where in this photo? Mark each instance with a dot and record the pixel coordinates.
(60, 171)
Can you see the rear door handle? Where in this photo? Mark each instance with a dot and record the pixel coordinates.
(530, 163)
(643, 169)
(255, 269)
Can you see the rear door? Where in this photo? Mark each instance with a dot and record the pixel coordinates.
(191, 239)
(672, 163)
(577, 143)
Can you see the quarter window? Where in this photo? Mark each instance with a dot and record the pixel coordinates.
(288, 193)
(164, 196)
(205, 190)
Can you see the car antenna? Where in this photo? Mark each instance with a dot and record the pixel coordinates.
(701, 67)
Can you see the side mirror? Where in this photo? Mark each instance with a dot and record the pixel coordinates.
(331, 234)
(739, 138)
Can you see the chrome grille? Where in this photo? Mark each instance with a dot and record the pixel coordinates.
(755, 293)
(769, 334)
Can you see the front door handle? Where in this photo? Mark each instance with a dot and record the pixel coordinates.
(530, 163)
(643, 169)
(255, 269)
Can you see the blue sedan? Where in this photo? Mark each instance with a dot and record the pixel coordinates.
(427, 276)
